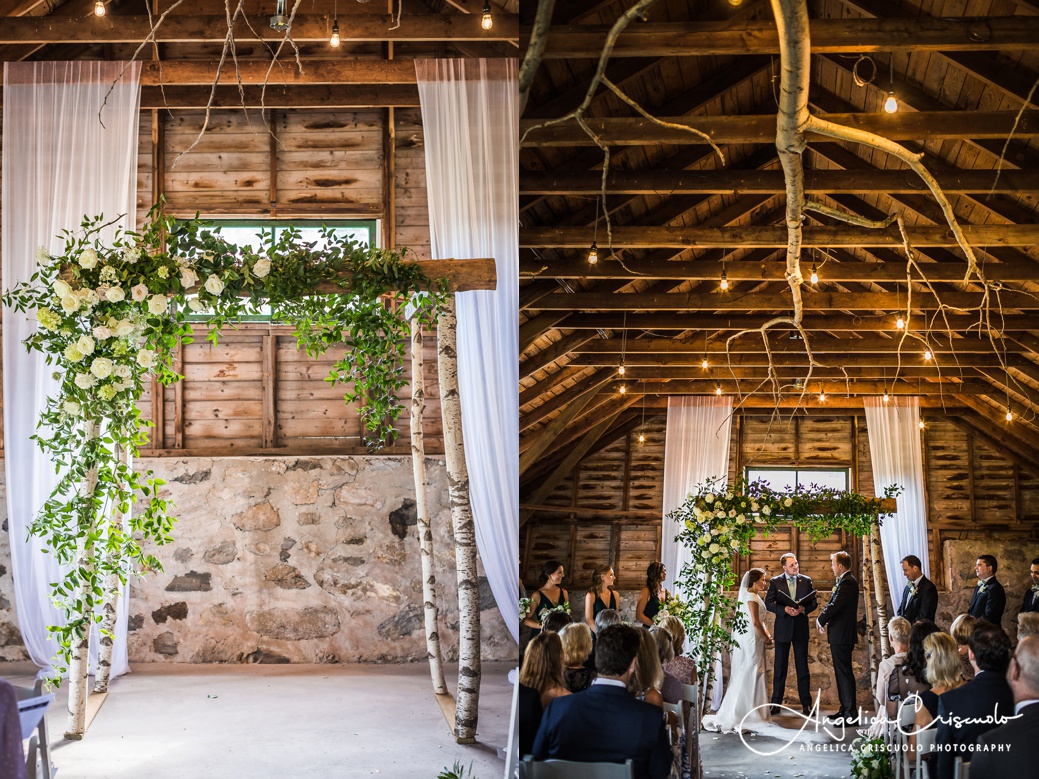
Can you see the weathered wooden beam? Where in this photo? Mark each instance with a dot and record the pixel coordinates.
(703, 39)
(909, 357)
(213, 29)
(845, 236)
(253, 72)
(780, 343)
(318, 96)
(745, 182)
(832, 388)
(551, 431)
(714, 323)
(1000, 440)
(899, 126)
(557, 402)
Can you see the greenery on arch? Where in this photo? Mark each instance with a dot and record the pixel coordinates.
(719, 521)
(111, 313)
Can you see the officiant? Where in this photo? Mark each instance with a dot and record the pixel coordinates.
(791, 597)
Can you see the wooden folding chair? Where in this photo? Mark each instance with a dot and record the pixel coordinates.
(566, 769)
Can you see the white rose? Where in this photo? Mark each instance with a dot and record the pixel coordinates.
(43, 257)
(115, 295)
(123, 328)
(709, 498)
(122, 371)
(85, 344)
(188, 277)
(88, 259)
(714, 548)
(102, 333)
(214, 285)
(61, 288)
(766, 510)
(85, 380)
(734, 544)
(195, 304)
(732, 513)
(71, 407)
(101, 367)
(788, 502)
(157, 304)
(69, 304)
(714, 531)
(146, 358)
(140, 292)
(262, 268)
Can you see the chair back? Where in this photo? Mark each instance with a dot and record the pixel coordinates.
(925, 741)
(962, 770)
(566, 769)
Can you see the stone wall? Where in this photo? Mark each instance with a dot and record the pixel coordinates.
(296, 560)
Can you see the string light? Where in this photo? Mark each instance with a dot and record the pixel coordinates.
(927, 354)
(621, 370)
(486, 21)
(921, 424)
(815, 275)
(718, 389)
(705, 365)
(1010, 416)
(886, 396)
(725, 281)
(642, 435)
(642, 438)
(900, 323)
(99, 8)
(623, 389)
(891, 104)
(593, 254)
(334, 40)
(822, 397)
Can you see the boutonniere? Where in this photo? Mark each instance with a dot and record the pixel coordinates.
(1035, 588)
(981, 586)
(912, 590)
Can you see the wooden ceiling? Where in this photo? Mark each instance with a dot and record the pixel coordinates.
(679, 218)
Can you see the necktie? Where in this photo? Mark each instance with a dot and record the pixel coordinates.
(791, 584)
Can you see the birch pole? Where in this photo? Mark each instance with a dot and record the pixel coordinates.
(79, 662)
(467, 707)
(874, 552)
(425, 533)
(110, 607)
(867, 583)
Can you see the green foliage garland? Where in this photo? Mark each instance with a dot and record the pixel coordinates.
(111, 314)
(718, 522)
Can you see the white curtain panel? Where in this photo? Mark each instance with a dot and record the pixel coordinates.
(897, 454)
(59, 164)
(470, 115)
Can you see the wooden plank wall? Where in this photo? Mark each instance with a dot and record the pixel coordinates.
(617, 493)
(254, 392)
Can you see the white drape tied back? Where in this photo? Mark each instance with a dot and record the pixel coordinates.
(470, 116)
(897, 454)
(63, 158)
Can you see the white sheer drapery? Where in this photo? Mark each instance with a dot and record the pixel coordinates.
(897, 455)
(471, 139)
(59, 164)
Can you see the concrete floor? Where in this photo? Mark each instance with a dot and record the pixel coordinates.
(277, 722)
(725, 756)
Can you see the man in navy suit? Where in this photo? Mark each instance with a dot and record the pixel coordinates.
(605, 723)
(1031, 601)
(839, 620)
(983, 703)
(920, 596)
(791, 597)
(989, 599)
(1013, 749)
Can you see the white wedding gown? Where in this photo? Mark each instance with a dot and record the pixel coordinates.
(745, 704)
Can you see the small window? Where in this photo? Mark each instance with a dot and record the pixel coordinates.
(785, 479)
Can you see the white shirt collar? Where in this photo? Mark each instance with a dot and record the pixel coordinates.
(610, 682)
(917, 579)
(1022, 704)
(986, 581)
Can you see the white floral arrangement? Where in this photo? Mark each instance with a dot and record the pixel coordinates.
(563, 607)
(672, 607)
(524, 607)
(870, 759)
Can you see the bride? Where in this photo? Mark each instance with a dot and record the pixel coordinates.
(745, 703)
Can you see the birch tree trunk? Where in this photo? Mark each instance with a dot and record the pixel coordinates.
(867, 583)
(878, 589)
(467, 706)
(425, 533)
(110, 607)
(79, 660)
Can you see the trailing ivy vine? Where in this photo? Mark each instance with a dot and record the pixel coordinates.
(111, 314)
(718, 523)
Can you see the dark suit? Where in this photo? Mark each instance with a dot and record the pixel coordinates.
(985, 696)
(605, 723)
(1021, 755)
(990, 603)
(790, 630)
(922, 605)
(529, 718)
(841, 619)
(1031, 601)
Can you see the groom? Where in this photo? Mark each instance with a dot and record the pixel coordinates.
(791, 597)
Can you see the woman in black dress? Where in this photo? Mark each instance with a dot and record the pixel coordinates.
(548, 596)
(600, 595)
(653, 595)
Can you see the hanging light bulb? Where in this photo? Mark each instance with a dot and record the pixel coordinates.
(1010, 416)
(593, 254)
(486, 21)
(921, 424)
(891, 104)
(822, 397)
(621, 370)
(718, 389)
(725, 281)
(99, 8)
(704, 364)
(815, 275)
(623, 389)
(334, 40)
(927, 354)
(642, 438)
(886, 396)
(900, 323)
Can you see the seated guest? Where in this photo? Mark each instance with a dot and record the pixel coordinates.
(648, 678)
(961, 629)
(603, 620)
(910, 678)
(542, 667)
(529, 718)
(1017, 747)
(577, 645)
(670, 688)
(681, 667)
(555, 621)
(600, 595)
(604, 723)
(1027, 625)
(975, 707)
(943, 674)
(898, 634)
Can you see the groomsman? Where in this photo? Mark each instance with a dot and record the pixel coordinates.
(920, 596)
(989, 600)
(1031, 602)
(839, 621)
(791, 597)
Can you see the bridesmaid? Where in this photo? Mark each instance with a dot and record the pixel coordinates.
(601, 595)
(549, 595)
(653, 595)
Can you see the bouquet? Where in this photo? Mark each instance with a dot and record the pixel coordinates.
(563, 607)
(870, 759)
(524, 607)
(672, 607)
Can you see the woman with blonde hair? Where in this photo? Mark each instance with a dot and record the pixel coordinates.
(600, 595)
(543, 667)
(577, 645)
(943, 674)
(681, 667)
(961, 629)
(648, 678)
